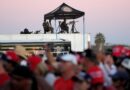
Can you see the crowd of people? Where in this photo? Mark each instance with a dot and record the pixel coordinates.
(87, 70)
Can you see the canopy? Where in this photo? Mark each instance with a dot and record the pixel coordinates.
(64, 11)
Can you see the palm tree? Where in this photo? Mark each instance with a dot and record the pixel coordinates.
(99, 41)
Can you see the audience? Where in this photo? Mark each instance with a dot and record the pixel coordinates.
(87, 70)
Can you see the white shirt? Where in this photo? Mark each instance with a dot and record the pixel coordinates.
(50, 78)
(107, 78)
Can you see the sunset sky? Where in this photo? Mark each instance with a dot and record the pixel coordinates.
(110, 17)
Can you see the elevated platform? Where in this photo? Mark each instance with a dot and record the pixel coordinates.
(77, 41)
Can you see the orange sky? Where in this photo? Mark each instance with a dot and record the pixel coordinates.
(111, 17)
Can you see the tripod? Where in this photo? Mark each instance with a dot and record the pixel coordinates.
(58, 28)
(73, 28)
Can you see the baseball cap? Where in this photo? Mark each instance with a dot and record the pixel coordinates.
(11, 56)
(97, 75)
(34, 61)
(69, 58)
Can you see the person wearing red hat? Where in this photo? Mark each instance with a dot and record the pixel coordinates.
(21, 79)
(11, 55)
(33, 62)
(4, 77)
(11, 60)
(36, 65)
(93, 70)
(7, 63)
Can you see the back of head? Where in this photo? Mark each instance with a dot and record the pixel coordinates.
(25, 73)
(90, 55)
(22, 71)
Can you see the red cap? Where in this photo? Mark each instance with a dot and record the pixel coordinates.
(33, 62)
(96, 74)
(117, 50)
(11, 55)
(120, 50)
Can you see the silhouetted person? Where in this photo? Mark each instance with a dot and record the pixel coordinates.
(47, 27)
(64, 27)
(26, 31)
(73, 29)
